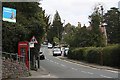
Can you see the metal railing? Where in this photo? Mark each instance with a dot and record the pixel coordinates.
(13, 56)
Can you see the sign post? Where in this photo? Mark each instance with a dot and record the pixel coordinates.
(29, 57)
(31, 45)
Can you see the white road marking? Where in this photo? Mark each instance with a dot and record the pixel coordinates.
(74, 69)
(84, 71)
(89, 73)
(77, 64)
(112, 71)
(51, 61)
(47, 59)
(56, 63)
(105, 76)
(87, 66)
(62, 65)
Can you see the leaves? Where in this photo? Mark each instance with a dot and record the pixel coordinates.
(56, 29)
(112, 18)
(30, 22)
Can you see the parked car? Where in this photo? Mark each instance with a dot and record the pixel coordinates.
(42, 56)
(45, 43)
(50, 45)
(57, 51)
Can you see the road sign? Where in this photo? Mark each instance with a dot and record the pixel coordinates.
(33, 40)
(31, 45)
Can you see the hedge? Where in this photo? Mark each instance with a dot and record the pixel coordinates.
(93, 56)
(109, 56)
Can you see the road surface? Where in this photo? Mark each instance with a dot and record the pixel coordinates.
(64, 69)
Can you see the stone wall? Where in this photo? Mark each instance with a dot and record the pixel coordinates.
(13, 69)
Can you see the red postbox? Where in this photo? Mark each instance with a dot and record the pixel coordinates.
(23, 55)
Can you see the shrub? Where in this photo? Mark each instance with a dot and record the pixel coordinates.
(76, 53)
(111, 55)
(93, 56)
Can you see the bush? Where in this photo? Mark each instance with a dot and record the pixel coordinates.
(76, 54)
(109, 56)
(93, 56)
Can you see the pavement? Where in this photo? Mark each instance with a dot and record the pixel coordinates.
(89, 64)
(40, 73)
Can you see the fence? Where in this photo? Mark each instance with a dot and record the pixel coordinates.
(13, 56)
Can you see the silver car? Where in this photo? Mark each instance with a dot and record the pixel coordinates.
(57, 52)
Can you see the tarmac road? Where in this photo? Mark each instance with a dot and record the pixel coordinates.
(66, 69)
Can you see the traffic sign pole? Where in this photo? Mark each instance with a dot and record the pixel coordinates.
(29, 56)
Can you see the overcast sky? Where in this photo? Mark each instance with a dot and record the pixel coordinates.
(74, 11)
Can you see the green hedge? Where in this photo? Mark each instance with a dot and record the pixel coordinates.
(93, 56)
(109, 55)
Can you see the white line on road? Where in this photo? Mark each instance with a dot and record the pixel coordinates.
(51, 61)
(62, 65)
(89, 73)
(47, 59)
(84, 71)
(112, 71)
(57, 63)
(74, 69)
(77, 64)
(105, 76)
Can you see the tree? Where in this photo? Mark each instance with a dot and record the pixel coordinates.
(112, 19)
(55, 29)
(96, 20)
(30, 18)
(31, 21)
(69, 32)
(57, 26)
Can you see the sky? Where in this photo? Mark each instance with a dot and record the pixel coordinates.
(74, 11)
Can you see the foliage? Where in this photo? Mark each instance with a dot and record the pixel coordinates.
(56, 29)
(93, 56)
(56, 40)
(112, 19)
(95, 20)
(31, 20)
(83, 36)
(109, 55)
(69, 34)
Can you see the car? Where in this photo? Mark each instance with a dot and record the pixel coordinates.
(50, 45)
(45, 43)
(57, 52)
(42, 56)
